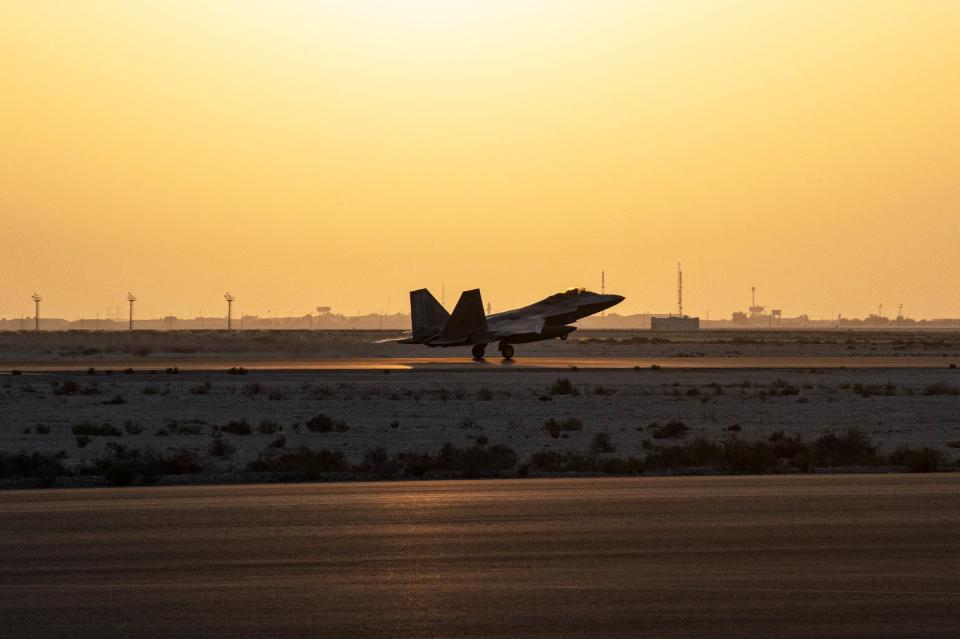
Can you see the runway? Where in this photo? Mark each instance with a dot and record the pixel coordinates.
(465, 363)
(785, 556)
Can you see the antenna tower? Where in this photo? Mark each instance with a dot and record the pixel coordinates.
(900, 313)
(36, 311)
(679, 290)
(131, 298)
(229, 299)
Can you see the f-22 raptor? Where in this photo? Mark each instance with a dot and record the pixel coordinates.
(550, 318)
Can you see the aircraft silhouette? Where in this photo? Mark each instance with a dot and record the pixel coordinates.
(549, 318)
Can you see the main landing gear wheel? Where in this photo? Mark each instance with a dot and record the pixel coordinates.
(478, 350)
(506, 350)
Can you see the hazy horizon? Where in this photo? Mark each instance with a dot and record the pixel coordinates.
(342, 153)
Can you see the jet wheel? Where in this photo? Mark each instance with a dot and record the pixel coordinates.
(478, 350)
(506, 350)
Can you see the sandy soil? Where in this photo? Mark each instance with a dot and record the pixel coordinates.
(419, 410)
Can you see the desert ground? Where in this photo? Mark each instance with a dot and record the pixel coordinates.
(125, 399)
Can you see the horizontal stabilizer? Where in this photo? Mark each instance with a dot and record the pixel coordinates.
(468, 316)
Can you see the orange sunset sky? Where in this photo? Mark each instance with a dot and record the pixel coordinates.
(344, 152)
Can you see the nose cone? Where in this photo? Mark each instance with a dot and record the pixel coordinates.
(595, 303)
(610, 300)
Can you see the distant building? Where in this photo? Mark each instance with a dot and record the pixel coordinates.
(684, 323)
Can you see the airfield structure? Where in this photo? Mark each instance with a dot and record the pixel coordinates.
(322, 313)
(756, 310)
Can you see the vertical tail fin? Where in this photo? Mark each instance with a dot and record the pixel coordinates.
(427, 315)
(468, 316)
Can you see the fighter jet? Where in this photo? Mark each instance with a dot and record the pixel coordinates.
(549, 318)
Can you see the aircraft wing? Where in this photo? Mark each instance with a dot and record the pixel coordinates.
(520, 326)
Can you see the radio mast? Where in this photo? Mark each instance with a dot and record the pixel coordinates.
(679, 290)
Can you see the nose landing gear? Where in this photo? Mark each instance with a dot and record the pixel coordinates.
(506, 350)
(478, 350)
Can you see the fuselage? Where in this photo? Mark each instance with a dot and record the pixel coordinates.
(560, 308)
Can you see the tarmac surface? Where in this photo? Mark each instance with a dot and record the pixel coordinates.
(784, 556)
(465, 363)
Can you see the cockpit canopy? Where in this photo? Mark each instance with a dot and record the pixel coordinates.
(570, 293)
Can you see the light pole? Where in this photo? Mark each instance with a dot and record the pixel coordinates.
(36, 311)
(229, 299)
(131, 298)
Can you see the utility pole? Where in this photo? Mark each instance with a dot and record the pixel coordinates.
(229, 299)
(36, 311)
(131, 298)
